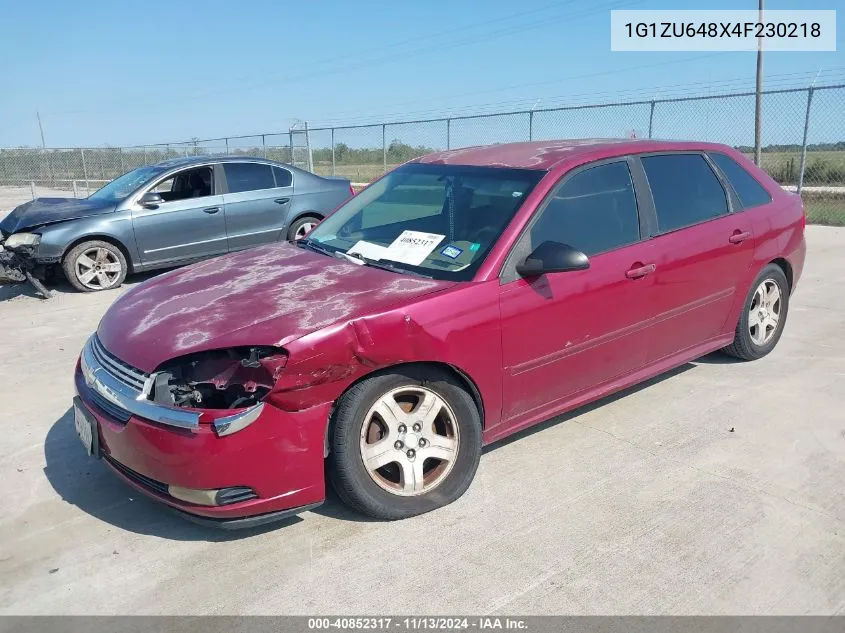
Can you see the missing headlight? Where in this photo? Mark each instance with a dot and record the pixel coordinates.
(231, 378)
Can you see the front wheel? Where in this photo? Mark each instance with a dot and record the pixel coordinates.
(404, 443)
(95, 265)
(763, 316)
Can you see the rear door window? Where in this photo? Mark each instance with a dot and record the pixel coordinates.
(685, 190)
(248, 176)
(594, 210)
(750, 192)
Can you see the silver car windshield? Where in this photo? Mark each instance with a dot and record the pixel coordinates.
(123, 186)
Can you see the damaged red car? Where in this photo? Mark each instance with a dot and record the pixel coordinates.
(462, 297)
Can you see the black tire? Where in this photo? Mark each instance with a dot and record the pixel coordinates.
(297, 224)
(115, 255)
(743, 346)
(351, 479)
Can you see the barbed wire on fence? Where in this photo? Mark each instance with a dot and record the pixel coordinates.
(804, 141)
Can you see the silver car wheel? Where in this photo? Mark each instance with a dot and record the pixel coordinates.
(302, 231)
(97, 268)
(409, 441)
(764, 314)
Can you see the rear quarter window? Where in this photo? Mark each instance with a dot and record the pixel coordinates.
(283, 177)
(750, 192)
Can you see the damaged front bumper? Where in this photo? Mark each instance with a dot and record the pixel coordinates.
(19, 265)
(12, 267)
(270, 468)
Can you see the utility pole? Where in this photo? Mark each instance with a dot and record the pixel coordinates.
(40, 128)
(758, 100)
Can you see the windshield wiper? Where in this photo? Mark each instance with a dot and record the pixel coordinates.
(382, 264)
(311, 245)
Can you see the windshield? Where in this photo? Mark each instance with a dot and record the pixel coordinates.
(125, 185)
(436, 220)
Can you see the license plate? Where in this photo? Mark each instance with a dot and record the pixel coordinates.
(86, 428)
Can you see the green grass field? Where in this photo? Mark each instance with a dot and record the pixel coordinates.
(828, 210)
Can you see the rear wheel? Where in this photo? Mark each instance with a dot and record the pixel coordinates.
(763, 316)
(404, 443)
(300, 227)
(95, 265)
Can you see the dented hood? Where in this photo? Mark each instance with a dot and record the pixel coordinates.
(264, 296)
(51, 210)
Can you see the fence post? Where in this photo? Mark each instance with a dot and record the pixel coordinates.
(32, 189)
(75, 191)
(448, 133)
(85, 172)
(651, 118)
(290, 140)
(227, 144)
(804, 142)
(145, 155)
(384, 145)
(333, 163)
(531, 125)
(308, 156)
(122, 168)
(263, 146)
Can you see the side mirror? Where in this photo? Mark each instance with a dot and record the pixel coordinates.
(151, 200)
(552, 257)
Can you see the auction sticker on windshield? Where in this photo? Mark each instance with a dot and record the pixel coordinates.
(412, 247)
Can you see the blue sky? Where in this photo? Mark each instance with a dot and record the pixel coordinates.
(125, 73)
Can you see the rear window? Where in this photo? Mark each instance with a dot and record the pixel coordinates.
(248, 176)
(750, 192)
(685, 190)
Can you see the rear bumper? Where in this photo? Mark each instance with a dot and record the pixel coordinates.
(796, 261)
(279, 456)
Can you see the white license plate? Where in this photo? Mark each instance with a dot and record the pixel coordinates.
(84, 428)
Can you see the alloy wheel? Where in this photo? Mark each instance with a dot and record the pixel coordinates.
(409, 441)
(97, 268)
(302, 231)
(764, 313)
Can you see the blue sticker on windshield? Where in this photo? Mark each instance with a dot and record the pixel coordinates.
(474, 246)
(452, 252)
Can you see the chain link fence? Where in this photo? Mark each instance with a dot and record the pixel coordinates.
(803, 143)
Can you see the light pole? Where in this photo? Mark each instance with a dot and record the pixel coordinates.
(758, 99)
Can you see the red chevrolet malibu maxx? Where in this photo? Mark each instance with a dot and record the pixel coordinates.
(460, 298)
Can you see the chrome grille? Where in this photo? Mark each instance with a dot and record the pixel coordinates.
(124, 372)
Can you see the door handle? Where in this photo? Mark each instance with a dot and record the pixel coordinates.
(211, 210)
(739, 236)
(281, 200)
(640, 271)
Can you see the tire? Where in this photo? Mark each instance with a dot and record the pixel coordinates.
(431, 481)
(301, 226)
(110, 259)
(750, 343)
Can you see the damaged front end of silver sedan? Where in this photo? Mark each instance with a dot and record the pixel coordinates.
(17, 261)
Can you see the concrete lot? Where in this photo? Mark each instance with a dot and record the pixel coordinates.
(717, 489)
